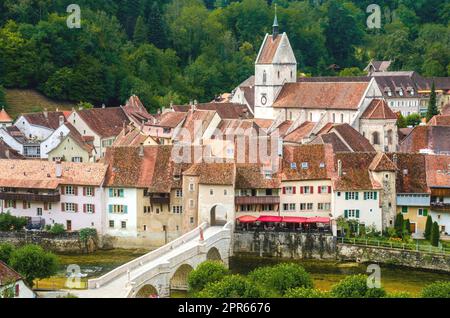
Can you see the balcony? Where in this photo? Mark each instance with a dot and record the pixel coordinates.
(413, 200)
(440, 206)
(159, 199)
(50, 197)
(267, 199)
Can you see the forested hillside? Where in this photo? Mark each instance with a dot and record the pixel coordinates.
(194, 49)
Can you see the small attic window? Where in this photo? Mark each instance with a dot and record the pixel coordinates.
(322, 165)
(293, 165)
(304, 165)
(405, 172)
(176, 177)
(268, 174)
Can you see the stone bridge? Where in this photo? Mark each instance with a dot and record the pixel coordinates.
(165, 268)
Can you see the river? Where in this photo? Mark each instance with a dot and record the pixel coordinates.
(324, 273)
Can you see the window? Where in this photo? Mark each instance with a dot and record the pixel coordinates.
(225, 192)
(69, 190)
(306, 190)
(116, 193)
(89, 191)
(89, 208)
(264, 77)
(176, 209)
(211, 191)
(77, 159)
(289, 190)
(191, 220)
(289, 206)
(334, 117)
(70, 207)
(351, 214)
(245, 207)
(117, 208)
(191, 203)
(370, 195)
(268, 174)
(179, 193)
(293, 165)
(145, 227)
(375, 138)
(422, 212)
(39, 211)
(10, 204)
(324, 206)
(123, 225)
(191, 187)
(309, 206)
(351, 196)
(304, 165)
(147, 209)
(404, 209)
(267, 207)
(342, 118)
(324, 189)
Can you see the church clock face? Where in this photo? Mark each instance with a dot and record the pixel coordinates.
(263, 100)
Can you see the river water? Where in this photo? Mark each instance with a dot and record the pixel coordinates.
(324, 273)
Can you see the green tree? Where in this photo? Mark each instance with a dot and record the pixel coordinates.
(355, 286)
(10, 222)
(437, 290)
(6, 250)
(398, 224)
(57, 229)
(2, 96)
(301, 292)
(432, 106)
(281, 277)
(140, 35)
(428, 227)
(413, 119)
(232, 286)
(32, 262)
(401, 121)
(434, 236)
(156, 28)
(206, 273)
(406, 227)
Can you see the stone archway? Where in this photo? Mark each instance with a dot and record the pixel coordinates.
(179, 280)
(213, 255)
(147, 291)
(218, 215)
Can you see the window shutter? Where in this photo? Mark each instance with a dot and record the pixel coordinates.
(357, 214)
(375, 195)
(346, 214)
(329, 189)
(45, 206)
(93, 192)
(110, 208)
(84, 207)
(311, 190)
(425, 212)
(294, 190)
(301, 190)
(84, 191)
(356, 195)
(284, 190)
(110, 192)
(121, 193)
(93, 208)
(17, 290)
(63, 207)
(75, 190)
(76, 207)
(365, 195)
(346, 195)
(319, 190)
(125, 209)
(63, 190)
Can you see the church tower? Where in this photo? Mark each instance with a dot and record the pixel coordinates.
(274, 66)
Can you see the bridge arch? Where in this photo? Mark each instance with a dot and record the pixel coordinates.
(179, 280)
(147, 291)
(213, 255)
(218, 215)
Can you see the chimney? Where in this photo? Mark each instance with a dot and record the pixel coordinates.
(171, 104)
(58, 171)
(141, 150)
(103, 106)
(7, 154)
(45, 113)
(61, 136)
(61, 120)
(339, 168)
(395, 159)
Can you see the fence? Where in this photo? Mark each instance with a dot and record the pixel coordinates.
(397, 245)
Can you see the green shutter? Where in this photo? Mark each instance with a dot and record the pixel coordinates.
(365, 195)
(346, 214)
(110, 207)
(110, 192)
(404, 209)
(356, 195)
(375, 195)
(125, 209)
(121, 193)
(425, 212)
(346, 195)
(357, 214)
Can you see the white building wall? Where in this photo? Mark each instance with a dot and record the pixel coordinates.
(32, 131)
(85, 130)
(24, 290)
(10, 141)
(53, 140)
(206, 201)
(443, 220)
(129, 199)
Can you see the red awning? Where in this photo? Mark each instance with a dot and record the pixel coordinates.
(293, 219)
(247, 219)
(318, 220)
(268, 218)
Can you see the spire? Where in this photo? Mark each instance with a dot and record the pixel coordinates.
(275, 24)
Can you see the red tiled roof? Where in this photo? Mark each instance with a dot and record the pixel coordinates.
(171, 119)
(284, 127)
(269, 49)
(436, 138)
(45, 119)
(378, 109)
(224, 110)
(411, 175)
(300, 132)
(322, 95)
(381, 162)
(333, 140)
(213, 173)
(440, 120)
(353, 138)
(130, 136)
(355, 172)
(78, 138)
(438, 171)
(4, 117)
(202, 118)
(8, 275)
(251, 176)
(6, 152)
(445, 109)
(106, 122)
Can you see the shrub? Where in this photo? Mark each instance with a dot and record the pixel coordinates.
(32, 262)
(57, 229)
(86, 233)
(434, 237)
(6, 250)
(428, 227)
(398, 224)
(207, 272)
(232, 286)
(437, 290)
(10, 222)
(282, 277)
(302, 292)
(355, 286)
(398, 294)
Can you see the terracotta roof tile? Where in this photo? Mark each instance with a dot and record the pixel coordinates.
(224, 110)
(333, 140)
(8, 275)
(251, 176)
(381, 162)
(321, 95)
(355, 172)
(130, 136)
(4, 117)
(106, 122)
(269, 49)
(300, 132)
(440, 120)
(436, 138)
(411, 175)
(378, 109)
(353, 138)
(6, 152)
(438, 171)
(45, 119)
(170, 119)
(213, 173)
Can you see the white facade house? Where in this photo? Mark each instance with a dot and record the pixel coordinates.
(121, 211)
(32, 130)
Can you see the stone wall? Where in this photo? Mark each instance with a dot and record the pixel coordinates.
(63, 243)
(422, 260)
(285, 245)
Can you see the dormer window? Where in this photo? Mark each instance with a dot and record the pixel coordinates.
(304, 165)
(322, 165)
(293, 165)
(268, 174)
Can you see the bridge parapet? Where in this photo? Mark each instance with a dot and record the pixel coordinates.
(140, 261)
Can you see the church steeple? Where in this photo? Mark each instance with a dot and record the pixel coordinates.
(275, 25)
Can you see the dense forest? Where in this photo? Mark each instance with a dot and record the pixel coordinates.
(177, 50)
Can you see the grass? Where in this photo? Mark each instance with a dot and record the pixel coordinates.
(20, 101)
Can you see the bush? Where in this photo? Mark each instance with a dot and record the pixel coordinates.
(207, 272)
(57, 229)
(413, 119)
(6, 250)
(232, 286)
(355, 286)
(437, 290)
(10, 222)
(86, 233)
(282, 277)
(32, 262)
(398, 294)
(428, 227)
(398, 224)
(302, 292)
(434, 237)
